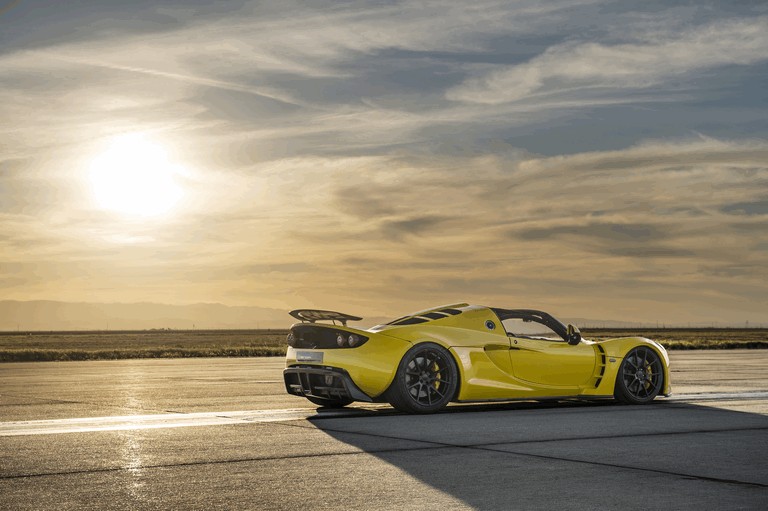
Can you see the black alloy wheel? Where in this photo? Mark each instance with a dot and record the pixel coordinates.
(330, 403)
(426, 380)
(640, 377)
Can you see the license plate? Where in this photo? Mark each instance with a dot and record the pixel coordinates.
(309, 356)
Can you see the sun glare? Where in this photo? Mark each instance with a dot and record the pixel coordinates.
(134, 176)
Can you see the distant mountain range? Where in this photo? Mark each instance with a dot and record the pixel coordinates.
(52, 315)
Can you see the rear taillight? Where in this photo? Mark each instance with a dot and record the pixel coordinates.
(311, 336)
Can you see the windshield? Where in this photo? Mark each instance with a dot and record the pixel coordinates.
(519, 327)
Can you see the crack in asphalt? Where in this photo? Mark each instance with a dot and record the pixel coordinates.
(72, 402)
(431, 445)
(544, 440)
(217, 462)
(628, 467)
(488, 447)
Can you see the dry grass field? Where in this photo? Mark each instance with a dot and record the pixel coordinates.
(690, 338)
(19, 346)
(59, 346)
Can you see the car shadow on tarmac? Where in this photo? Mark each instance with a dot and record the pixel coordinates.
(570, 454)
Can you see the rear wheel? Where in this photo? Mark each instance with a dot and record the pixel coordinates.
(329, 403)
(640, 377)
(426, 380)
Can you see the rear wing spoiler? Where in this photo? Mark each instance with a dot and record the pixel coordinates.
(312, 315)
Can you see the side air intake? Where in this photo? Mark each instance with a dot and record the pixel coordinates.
(600, 369)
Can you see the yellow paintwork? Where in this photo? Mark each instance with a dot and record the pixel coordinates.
(552, 363)
(370, 366)
(492, 365)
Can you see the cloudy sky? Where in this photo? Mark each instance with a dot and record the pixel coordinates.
(595, 159)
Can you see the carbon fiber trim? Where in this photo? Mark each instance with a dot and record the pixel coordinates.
(322, 382)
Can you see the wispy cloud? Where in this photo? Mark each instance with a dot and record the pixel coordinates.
(189, 79)
(662, 57)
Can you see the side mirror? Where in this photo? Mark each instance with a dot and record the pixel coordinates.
(574, 336)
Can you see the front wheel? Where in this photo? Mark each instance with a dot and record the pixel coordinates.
(640, 377)
(329, 403)
(426, 380)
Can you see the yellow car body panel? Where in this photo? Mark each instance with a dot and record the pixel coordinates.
(370, 365)
(551, 363)
(492, 364)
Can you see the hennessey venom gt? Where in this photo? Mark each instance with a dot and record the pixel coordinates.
(465, 353)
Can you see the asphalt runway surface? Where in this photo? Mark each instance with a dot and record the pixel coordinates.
(223, 434)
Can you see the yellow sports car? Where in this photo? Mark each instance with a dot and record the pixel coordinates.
(466, 353)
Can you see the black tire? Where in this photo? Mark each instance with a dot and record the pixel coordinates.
(426, 380)
(329, 403)
(640, 378)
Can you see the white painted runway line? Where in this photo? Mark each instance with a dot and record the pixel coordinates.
(717, 396)
(156, 421)
(170, 420)
(181, 420)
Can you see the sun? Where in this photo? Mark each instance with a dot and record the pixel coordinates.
(134, 176)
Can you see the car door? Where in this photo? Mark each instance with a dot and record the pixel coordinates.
(540, 356)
